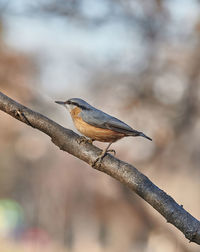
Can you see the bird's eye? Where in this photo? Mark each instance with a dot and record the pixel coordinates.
(68, 102)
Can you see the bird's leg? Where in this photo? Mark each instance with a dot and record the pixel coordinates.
(99, 159)
(83, 139)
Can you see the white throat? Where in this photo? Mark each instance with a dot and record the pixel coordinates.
(70, 107)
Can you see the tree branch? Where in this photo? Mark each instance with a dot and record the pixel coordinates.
(127, 174)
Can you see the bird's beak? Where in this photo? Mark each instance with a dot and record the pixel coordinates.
(60, 102)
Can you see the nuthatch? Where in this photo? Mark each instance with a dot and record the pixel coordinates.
(97, 125)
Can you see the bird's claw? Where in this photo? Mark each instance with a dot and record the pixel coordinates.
(83, 139)
(113, 151)
(98, 161)
(100, 157)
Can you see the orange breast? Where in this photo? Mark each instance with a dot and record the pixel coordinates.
(99, 134)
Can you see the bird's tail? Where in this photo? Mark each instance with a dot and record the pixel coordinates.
(143, 135)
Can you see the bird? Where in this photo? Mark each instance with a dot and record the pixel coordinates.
(97, 125)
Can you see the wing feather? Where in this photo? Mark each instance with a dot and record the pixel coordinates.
(102, 120)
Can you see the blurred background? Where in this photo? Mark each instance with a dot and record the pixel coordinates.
(137, 60)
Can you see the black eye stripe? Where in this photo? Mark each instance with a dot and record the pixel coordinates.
(80, 106)
(76, 104)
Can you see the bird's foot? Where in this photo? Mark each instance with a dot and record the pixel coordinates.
(99, 159)
(83, 139)
(113, 151)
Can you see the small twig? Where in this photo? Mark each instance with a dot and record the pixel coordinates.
(23, 117)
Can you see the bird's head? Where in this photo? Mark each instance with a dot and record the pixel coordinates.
(73, 103)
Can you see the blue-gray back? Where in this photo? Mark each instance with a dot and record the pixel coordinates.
(100, 119)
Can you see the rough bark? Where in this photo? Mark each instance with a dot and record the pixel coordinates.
(127, 174)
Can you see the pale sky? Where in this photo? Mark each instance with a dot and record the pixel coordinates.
(67, 53)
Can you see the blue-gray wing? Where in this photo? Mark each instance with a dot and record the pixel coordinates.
(102, 120)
